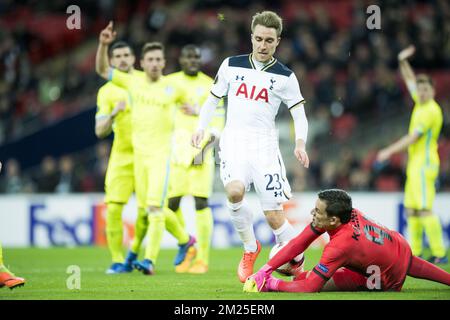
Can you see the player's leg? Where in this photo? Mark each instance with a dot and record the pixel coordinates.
(235, 176)
(174, 227)
(114, 232)
(242, 219)
(174, 205)
(141, 180)
(204, 227)
(155, 233)
(276, 218)
(241, 215)
(174, 220)
(175, 223)
(157, 183)
(119, 186)
(412, 202)
(140, 230)
(201, 184)
(433, 231)
(430, 221)
(140, 183)
(141, 227)
(186, 250)
(273, 189)
(157, 213)
(7, 278)
(422, 269)
(178, 187)
(415, 230)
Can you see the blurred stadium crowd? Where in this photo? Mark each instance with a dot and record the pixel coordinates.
(348, 74)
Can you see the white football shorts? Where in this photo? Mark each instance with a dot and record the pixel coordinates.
(257, 161)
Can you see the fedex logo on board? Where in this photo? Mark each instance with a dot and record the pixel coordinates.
(55, 224)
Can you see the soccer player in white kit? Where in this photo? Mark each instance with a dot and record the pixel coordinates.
(255, 85)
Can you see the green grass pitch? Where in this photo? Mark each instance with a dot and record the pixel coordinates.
(46, 273)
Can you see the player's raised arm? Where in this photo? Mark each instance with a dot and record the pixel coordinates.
(406, 69)
(101, 58)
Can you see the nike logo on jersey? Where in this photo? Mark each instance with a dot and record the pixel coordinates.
(243, 91)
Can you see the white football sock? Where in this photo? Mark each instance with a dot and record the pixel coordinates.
(285, 233)
(242, 219)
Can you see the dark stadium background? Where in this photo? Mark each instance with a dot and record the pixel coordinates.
(356, 102)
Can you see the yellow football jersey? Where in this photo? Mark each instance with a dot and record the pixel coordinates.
(426, 119)
(109, 95)
(152, 111)
(196, 91)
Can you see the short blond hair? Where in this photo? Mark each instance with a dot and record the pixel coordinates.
(151, 46)
(268, 19)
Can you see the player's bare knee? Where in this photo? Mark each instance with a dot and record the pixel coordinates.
(235, 192)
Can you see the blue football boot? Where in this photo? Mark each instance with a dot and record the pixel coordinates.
(145, 266)
(183, 250)
(128, 263)
(116, 268)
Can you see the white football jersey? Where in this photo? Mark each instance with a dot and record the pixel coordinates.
(254, 96)
(249, 150)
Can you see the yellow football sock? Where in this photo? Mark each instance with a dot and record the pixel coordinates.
(433, 230)
(2, 266)
(180, 217)
(114, 231)
(140, 229)
(204, 224)
(155, 234)
(174, 227)
(415, 230)
(1, 255)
